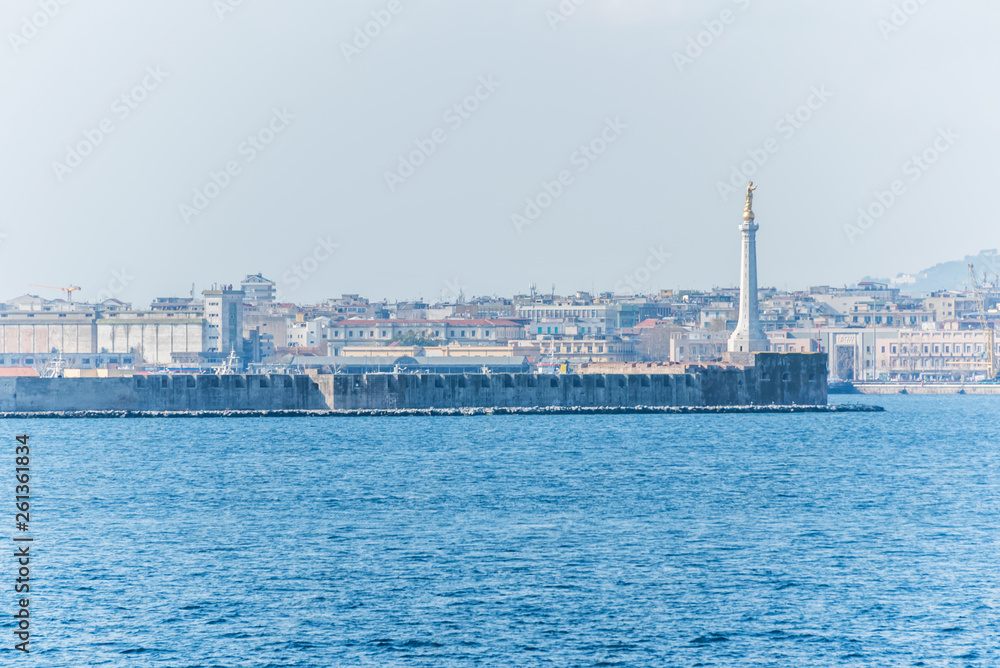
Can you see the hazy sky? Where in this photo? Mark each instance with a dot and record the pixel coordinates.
(309, 115)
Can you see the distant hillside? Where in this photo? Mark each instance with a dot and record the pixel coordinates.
(952, 275)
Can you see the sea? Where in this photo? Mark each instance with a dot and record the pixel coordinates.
(861, 539)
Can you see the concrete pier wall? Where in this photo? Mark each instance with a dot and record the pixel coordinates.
(765, 378)
(768, 378)
(161, 393)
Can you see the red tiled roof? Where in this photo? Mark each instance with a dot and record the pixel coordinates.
(448, 323)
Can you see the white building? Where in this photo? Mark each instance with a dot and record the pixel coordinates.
(307, 333)
(223, 321)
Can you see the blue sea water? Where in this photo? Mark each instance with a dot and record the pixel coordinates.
(643, 540)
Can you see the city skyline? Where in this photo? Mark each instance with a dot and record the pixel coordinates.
(552, 162)
(452, 289)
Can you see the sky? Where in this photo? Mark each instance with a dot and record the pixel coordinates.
(417, 149)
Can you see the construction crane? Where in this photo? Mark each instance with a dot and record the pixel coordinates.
(69, 289)
(991, 363)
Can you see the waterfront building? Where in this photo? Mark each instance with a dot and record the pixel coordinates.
(187, 305)
(579, 351)
(258, 291)
(223, 320)
(469, 332)
(719, 315)
(303, 333)
(950, 305)
(151, 337)
(698, 346)
(954, 352)
(390, 362)
(351, 306)
(454, 349)
(572, 318)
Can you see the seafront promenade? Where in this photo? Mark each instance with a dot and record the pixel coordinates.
(928, 388)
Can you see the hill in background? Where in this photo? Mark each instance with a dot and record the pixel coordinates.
(953, 275)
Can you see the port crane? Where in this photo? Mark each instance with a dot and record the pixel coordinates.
(69, 289)
(991, 362)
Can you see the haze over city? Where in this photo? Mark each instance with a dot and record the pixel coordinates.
(297, 116)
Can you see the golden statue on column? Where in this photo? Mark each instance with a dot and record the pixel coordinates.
(748, 210)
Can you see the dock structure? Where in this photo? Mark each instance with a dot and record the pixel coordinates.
(756, 379)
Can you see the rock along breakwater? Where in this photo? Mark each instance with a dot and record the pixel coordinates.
(457, 412)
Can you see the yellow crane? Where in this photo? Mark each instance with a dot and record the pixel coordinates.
(991, 362)
(69, 289)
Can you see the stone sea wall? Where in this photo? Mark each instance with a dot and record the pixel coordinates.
(161, 393)
(765, 378)
(771, 379)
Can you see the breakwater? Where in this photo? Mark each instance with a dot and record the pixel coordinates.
(765, 379)
(161, 393)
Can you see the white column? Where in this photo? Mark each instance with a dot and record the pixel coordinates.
(749, 335)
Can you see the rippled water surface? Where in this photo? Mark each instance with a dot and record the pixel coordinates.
(765, 540)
